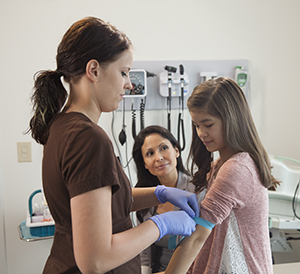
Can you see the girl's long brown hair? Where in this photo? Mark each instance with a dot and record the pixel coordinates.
(223, 98)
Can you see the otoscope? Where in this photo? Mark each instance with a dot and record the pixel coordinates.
(169, 69)
(180, 117)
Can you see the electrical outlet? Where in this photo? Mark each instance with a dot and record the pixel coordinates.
(24, 151)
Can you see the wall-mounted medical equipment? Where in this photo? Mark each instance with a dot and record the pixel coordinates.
(138, 78)
(170, 70)
(180, 127)
(241, 77)
(173, 84)
(207, 75)
(122, 134)
(142, 118)
(167, 78)
(157, 92)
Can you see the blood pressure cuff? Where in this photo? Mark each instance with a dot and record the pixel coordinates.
(199, 221)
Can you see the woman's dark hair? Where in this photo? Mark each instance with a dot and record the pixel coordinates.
(223, 98)
(87, 39)
(144, 177)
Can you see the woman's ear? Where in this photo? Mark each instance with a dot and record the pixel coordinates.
(92, 70)
(177, 152)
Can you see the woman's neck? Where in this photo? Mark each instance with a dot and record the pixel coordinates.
(169, 180)
(81, 99)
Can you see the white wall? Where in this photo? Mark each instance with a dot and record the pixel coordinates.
(263, 31)
(2, 229)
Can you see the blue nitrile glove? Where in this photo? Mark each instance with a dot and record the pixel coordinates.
(174, 223)
(185, 200)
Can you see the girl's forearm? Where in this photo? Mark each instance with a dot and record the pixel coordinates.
(182, 259)
(187, 251)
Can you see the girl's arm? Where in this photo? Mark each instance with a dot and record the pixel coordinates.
(187, 251)
(96, 249)
(143, 197)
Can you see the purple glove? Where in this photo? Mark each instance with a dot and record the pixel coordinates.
(174, 223)
(185, 200)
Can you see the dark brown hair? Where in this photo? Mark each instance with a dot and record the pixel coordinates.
(87, 39)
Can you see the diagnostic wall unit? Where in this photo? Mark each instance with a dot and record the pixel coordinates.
(192, 69)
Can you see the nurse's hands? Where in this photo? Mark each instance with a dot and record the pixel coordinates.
(185, 200)
(174, 223)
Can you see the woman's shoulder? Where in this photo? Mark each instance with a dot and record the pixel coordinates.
(74, 131)
(183, 181)
(75, 123)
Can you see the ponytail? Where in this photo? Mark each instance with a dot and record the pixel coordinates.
(48, 98)
(87, 39)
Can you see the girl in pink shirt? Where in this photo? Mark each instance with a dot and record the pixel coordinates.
(232, 235)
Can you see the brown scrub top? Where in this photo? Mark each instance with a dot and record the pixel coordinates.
(78, 158)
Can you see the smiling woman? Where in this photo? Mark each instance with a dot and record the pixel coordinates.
(160, 158)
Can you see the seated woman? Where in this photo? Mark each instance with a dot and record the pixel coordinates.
(157, 157)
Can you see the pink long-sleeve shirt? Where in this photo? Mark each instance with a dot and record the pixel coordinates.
(237, 203)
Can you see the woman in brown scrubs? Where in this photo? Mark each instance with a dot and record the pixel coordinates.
(88, 193)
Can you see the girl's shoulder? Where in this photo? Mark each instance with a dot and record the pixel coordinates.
(239, 164)
(242, 158)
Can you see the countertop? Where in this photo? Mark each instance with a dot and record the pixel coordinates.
(290, 268)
